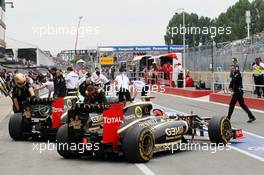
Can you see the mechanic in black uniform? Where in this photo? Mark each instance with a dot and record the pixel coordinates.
(59, 83)
(92, 94)
(236, 87)
(22, 91)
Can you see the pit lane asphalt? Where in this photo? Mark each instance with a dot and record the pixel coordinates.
(19, 157)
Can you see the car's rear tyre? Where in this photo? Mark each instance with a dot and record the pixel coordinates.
(63, 144)
(220, 130)
(138, 144)
(16, 127)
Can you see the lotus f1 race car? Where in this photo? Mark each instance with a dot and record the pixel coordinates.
(41, 117)
(135, 131)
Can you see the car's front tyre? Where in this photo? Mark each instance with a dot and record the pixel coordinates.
(220, 130)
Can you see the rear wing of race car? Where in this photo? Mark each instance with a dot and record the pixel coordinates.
(107, 117)
(81, 111)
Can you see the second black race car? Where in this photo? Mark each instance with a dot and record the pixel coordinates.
(41, 117)
(135, 131)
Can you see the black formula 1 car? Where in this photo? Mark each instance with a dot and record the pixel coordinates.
(135, 131)
(41, 117)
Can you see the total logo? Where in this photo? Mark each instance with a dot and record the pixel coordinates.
(57, 110)
(113, 120)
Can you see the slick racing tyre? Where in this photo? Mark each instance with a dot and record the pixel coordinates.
(63, 144)
(16, 127)
(220, 130)
(138, 144)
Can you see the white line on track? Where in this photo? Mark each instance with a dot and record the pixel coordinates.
(205, 101)
(247, 153)
(254, 135)
(144, 169)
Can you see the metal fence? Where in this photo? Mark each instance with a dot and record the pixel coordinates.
(219, 55)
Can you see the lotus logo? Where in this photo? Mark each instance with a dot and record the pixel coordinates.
(69, 103)
(138, 111)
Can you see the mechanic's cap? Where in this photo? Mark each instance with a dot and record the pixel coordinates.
(234, 59)
(20, 79)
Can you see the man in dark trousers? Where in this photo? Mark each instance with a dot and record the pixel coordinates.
(59, 83)
(236, 87)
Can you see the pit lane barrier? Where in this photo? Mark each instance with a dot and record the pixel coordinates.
(221, 94)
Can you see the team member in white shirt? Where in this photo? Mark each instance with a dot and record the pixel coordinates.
(99, 79)
(49, 85)
(72, 80)
(95, 76)
(83, 79)
(123, 83)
